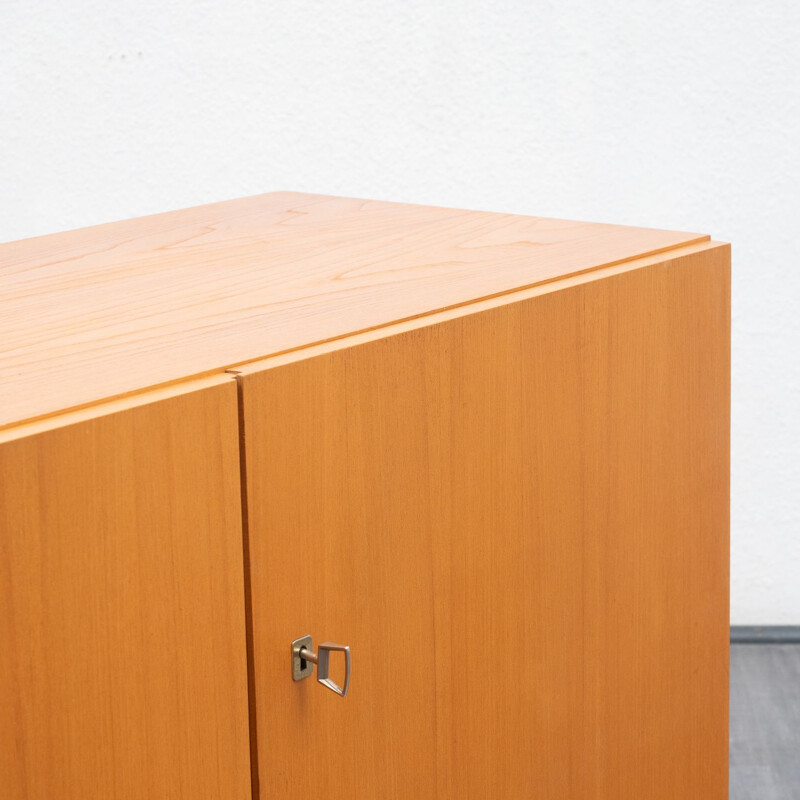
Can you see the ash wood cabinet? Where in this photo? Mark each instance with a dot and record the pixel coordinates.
(488, 453)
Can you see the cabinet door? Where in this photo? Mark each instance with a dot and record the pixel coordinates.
(518, 521)
(123, 660)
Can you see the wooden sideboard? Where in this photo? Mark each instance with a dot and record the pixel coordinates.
(488, 453)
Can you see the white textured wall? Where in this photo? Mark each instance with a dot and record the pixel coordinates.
(679, 115)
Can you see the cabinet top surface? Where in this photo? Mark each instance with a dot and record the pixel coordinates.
(105, 311)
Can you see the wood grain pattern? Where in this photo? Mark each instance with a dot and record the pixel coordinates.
(518, 519)
(147, 301)
(122, 655)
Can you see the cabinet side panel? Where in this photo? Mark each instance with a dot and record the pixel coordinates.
(518, 520)
(122, 665)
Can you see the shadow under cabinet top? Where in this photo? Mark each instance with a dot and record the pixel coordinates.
(106, 311)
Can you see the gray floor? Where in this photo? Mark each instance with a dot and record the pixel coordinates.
(765, 722)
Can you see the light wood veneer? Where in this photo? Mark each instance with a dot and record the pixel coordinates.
(488, 452)
(170, 296)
